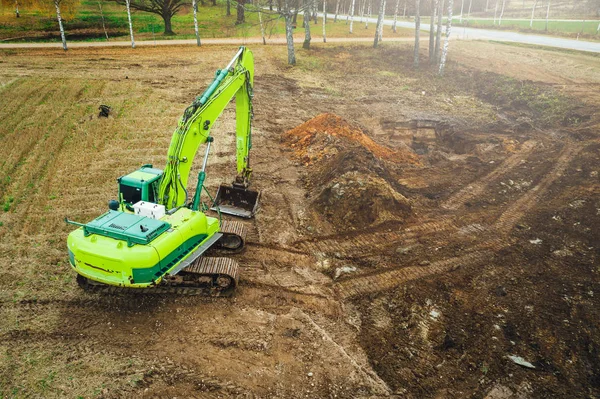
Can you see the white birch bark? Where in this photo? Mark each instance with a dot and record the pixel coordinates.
(324, 20)
(438, 36)
(469, 12)
(195, 7)
(379, 23)
(60, 24)
(289, 36)
(548, 15)
(306, 23)
(352, 14)
(102, 18)
(369, 15)
(337, 9)
(502, 12)
(395, 16)
(447, 41)
(417, 31)
(262, 27)
(404, 12)
(462, 5)
(17, 14)
(495, 12)
(130, 24)
(532, 15)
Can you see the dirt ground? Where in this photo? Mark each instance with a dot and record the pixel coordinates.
(412, 237)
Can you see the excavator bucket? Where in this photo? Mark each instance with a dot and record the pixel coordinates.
(237, 201)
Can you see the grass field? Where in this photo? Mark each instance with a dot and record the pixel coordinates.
(86, 24)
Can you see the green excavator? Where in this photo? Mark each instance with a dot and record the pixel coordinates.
(154, 238)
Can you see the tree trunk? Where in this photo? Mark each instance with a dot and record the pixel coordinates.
(315, 10)
(102, 17)
(17, 14)
(379, 22)
(434, 6)
(195, 7)
(487, 3)
(241, 16)
(369, 16)
(548, 15)
(295, 18)
(469, 12)
(270, 5)
(337, 9)
(395, 16)
(60, 24)
(228, 12)
(502, 12)
(214, 2)
(438, 36)
(324, 20)
(447, 41)
(462, 5)
(404, 12)
(382, 22)
(417, 31)
(168, 27)
(306, 23)
(352, 14)
(131, 25)
(262, 27)
(495, 12)
(532, 15)
(289, 37)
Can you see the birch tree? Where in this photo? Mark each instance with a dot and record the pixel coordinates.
(102, 18)
(495, 12)
(369, 15)
(195, 7)
(462, 4)
(502, 12)
(469, 12)
(404, 12)
(417, 31)
(447, 41)
(17, 14)
(127, 4)
(382, 22)
(532, 14)
(262, 27)
(60, 24)
(438, 36)
(324, 20)
(395, 16)
(548, 15)
(434, 6)
(289, 34)
(306, 23)
(379, 22)
(337, 9)
(352, 14)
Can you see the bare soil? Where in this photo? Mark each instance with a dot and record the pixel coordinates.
(414, 231)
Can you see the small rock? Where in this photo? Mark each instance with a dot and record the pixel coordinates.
(343, 270)
(424, 263)
(310, 374)
(521, 362)
(403, 250)
(537, 241)
(434, 314)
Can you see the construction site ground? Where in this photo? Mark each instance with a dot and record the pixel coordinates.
(418, 236)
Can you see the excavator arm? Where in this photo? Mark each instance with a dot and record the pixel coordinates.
(194, 127)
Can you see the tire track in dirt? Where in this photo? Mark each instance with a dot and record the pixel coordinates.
(524, 204)
(476, 188)
(389, 279)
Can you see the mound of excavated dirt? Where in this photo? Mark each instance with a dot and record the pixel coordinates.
(352, 180)
(326, 134)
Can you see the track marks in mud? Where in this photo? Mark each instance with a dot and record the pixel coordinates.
(389, 279)
(525, 203)
(476, 188)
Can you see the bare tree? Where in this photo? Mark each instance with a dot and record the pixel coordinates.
(289, 36)
(352, 14)
(324, 20)
(262, 26)
(417, 31)
(462, 5)
(102, 17)
(195, 7)
(438, 36)
(165, 8)
(17, 14)
(369, 15)
(532, 14)
(434, 6)
(502, 12)
(128, 5)
(306, 23)
(548, 15)
(337, 9)
(379, 23)
(469, 12)
(395, 16)
(404, 12)
(60, 24)
(447, 41)
(382, 22)
(495, 12)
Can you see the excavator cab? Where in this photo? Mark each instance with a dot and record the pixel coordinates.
(236, 200)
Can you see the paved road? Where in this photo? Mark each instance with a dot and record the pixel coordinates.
(457, 33)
